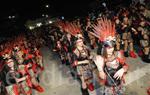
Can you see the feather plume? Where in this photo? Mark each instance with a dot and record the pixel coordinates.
(69, 27)
(104, 29)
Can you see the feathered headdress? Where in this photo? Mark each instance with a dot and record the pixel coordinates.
(60, 24)
(104, 30)
(70, 27)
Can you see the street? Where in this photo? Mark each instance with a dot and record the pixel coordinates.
(57, 80)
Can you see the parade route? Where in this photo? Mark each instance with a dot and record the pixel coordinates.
(57, 80)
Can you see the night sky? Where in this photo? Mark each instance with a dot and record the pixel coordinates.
(24, 10)
(35, 8)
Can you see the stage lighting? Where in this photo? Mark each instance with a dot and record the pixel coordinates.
(47, 6)
(39, 24)
(62, 17)
(50, 22)
(46, 15)
(43, 15)
(9, 17)
(31, 27)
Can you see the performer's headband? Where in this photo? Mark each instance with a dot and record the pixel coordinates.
(109, 43)
(9, 61)
(79, 40)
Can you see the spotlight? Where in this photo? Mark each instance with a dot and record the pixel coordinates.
(13, 16)
(43, 15)
(9, 17)
(31, 27)
(39, 24)
(62, 17)
(46, 15)
(47, 6)
(50, 22)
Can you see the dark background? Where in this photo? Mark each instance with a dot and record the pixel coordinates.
(24, 10)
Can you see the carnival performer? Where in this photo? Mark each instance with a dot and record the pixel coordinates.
(12, 78)
(82, 61)
(84, 65)
(111, 64)
(61, 51)
(61, 46)
(81, 57)
(68, 46)
(7, 74)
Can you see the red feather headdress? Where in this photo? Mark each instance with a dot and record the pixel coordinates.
(69, 27)
(104, 30)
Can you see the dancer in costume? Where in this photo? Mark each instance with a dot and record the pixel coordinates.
(7, 74)
(13, 78)
(81, 57)
(68, 46)
(84, 65)
(111, 64)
